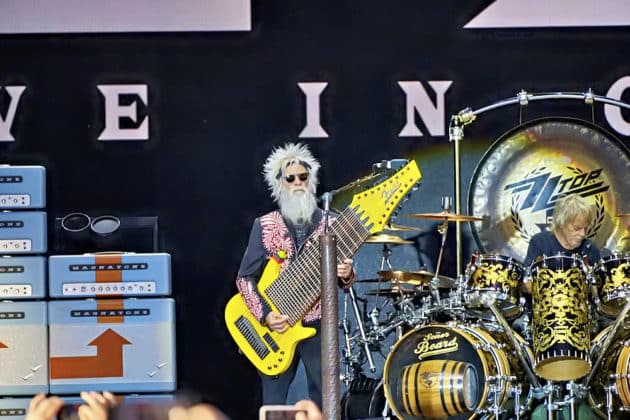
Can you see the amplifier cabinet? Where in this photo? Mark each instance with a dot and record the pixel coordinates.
(22, 187)
(109, 275)
(23, 348)
(117, 345)
(23, 232)
(13, 408)
(22, 277)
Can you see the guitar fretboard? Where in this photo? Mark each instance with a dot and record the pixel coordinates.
(299, 286)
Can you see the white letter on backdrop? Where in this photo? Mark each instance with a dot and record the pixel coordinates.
(15, 92)
(418, 100)
(613, 113)
(313, 121)
(114, 111)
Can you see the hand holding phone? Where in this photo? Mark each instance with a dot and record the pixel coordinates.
(279, 412)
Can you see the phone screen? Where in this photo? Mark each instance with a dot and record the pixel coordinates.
(278, 412)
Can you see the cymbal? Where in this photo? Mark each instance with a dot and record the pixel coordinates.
(397, 291)
(623, 214)
(417, 278)
(446, 215)
(400, 228)
(383, 238)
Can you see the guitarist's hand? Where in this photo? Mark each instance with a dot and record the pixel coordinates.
(344, 270)
(277, 322)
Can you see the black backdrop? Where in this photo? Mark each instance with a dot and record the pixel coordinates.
(219, 101)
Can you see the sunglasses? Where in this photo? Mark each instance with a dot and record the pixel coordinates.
(290, 178)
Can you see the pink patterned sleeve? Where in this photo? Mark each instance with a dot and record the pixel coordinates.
(251, 297)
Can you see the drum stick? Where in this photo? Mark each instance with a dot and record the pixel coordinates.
(613, 331)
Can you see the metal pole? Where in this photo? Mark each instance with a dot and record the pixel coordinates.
(330, 336)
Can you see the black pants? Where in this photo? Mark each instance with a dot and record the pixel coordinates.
(276, 388)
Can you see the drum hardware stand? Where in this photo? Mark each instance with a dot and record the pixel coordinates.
(364, 340)
(443, 230)
(491, 303)
(609, 338)
(609, 400)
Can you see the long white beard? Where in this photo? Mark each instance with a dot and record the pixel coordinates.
(297, 206)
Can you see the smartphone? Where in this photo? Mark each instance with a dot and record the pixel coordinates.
(278, 412)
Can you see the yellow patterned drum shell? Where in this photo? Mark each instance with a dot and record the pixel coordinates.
(561, 324)
(497, 274)
(612, 277)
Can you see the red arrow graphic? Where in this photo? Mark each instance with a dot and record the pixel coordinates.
(108, 361)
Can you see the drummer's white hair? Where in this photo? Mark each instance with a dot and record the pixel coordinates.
(283, 156)
(568, 208)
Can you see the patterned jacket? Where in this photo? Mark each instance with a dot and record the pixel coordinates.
(271, 233)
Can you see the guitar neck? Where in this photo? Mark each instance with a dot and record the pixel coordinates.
(299, 286)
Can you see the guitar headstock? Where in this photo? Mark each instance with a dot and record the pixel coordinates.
(376, 205)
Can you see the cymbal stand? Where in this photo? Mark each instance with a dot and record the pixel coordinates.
(385, 262)
(443, 230)
(351, 362)
(364, 339)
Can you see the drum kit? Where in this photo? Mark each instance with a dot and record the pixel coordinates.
(502, 340)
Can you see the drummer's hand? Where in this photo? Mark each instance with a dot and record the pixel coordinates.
(277, 322)
(526, 287)
(344, 270)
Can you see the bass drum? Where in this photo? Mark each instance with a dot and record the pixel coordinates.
(444, 371)
(614, 371)
(363, 399)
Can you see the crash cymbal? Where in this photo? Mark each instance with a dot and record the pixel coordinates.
(446, 215)
(383, 238)
(400, 228)
(397, 291)
(416, 278)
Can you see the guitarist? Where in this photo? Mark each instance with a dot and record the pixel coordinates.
(291, 174)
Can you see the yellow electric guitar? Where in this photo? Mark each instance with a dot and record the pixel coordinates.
(294, 291)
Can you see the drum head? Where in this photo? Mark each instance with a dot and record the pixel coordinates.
(435, 351)
(518, 181)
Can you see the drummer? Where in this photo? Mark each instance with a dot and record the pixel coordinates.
(572, 217)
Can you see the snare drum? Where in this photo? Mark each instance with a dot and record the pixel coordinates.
(454, 371)
(612, 278)
(496, 274)
(560, 318)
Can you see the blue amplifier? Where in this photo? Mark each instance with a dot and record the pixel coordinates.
(22, 277)
(117, 345)
(23, 348)
(22, 187)
(23, 232)
(13, 408)
(109, 275)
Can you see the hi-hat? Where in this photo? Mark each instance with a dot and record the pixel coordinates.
(383, 238)
(417, 278)
(446, 215)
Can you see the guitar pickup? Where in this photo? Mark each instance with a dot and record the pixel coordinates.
(270, 341)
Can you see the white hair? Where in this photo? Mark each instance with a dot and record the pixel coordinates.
(283, 156)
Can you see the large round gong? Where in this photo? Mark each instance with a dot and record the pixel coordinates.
(518, 181)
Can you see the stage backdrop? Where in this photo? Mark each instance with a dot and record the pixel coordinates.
(168, 111)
